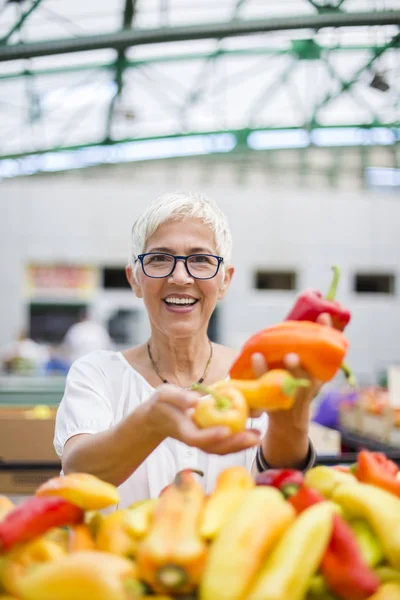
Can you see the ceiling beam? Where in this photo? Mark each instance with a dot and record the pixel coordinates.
(122, 40)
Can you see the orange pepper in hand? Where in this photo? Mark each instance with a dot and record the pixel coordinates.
(321, 349)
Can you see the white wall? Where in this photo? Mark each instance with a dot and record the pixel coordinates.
(87, 217)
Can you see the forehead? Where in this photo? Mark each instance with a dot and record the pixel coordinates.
(183, 234)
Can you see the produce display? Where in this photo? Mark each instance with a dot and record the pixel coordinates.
(332, 533)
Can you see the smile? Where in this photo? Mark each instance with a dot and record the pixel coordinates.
(180, 301)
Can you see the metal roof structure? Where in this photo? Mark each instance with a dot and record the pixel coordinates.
(120, 80)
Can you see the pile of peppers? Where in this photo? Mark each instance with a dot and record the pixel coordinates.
(328, 534)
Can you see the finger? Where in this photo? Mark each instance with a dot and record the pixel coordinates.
(259, 364)
(235, 443)
(182, 399)
(292, 364)
(325, 319)
(255, 414)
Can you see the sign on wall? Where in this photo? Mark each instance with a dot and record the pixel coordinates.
(50, 280)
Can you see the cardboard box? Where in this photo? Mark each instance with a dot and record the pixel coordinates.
(27, 455)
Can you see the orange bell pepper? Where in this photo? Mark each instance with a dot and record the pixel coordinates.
(321, 349)
(225, 406)
(82, 489)
(172, 555)
(85, 575)
(275, 390)
(114, 535)
(376, 469)
(80, 538)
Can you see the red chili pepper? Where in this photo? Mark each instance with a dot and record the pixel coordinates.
(36, 516)
(375, 468)
(310, 304)
(343, 566)
(288, 481)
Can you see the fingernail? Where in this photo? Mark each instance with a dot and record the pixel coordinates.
(292, 358)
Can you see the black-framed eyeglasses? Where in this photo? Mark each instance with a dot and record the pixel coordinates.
(162, 264)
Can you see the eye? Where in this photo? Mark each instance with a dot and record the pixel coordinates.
(201, 258)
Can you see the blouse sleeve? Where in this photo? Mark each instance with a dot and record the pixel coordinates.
(86, 406)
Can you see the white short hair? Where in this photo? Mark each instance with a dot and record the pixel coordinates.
(182, 206)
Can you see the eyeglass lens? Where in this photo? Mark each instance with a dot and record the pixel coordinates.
(200, 266)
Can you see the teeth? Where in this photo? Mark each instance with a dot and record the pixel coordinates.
(180, 300)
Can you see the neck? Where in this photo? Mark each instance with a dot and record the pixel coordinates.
(180, 361)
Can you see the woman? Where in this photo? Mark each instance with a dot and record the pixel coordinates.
(125, 416)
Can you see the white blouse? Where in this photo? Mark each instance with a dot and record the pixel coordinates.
(101, 389)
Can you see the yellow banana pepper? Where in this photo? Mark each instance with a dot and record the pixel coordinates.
(388, 574)
(139, 517)
(370, 547)
(379, 508)
(114, 536)
(171, 557)
(82, 489)
(325, 479)
(243, 543)
(288, 570)
(387, 591)
(6, 506)
(231, 488)
(86, 575)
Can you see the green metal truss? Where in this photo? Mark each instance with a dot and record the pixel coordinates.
(179, 101)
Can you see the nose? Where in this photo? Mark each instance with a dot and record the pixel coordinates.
(180, 274)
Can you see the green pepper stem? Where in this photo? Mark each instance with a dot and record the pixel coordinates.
(348, 373)
(334, 285)
(291, 385)
(221, 402)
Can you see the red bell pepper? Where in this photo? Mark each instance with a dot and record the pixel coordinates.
(376, 469)
(343, 566)
(288, 481)
(36, 516)
(310, 304)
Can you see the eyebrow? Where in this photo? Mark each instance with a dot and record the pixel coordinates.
(192, 250)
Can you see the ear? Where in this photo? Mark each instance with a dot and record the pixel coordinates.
(225, 283)
(133, 282)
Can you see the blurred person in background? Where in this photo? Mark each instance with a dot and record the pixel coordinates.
(126, 416)
(24, 356)
(84, 337)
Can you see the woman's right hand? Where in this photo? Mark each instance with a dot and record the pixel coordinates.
(169, 415)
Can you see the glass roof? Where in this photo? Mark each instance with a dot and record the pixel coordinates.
(303, 78)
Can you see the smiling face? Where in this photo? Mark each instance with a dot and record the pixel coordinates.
(180, 305)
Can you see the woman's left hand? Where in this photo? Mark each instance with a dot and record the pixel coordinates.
(305, 395)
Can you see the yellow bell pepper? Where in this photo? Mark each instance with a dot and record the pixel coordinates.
(172, 555)
(379, 508)
(243, 543)
(231, 488)
(19, 560)
(387, 591)
(325, 479)
(114, 535)
(82, 489)
(86, 575)
(288, 570)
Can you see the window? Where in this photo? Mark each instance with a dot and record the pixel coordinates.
(374, 283)
(115, 278)
(275, 280)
